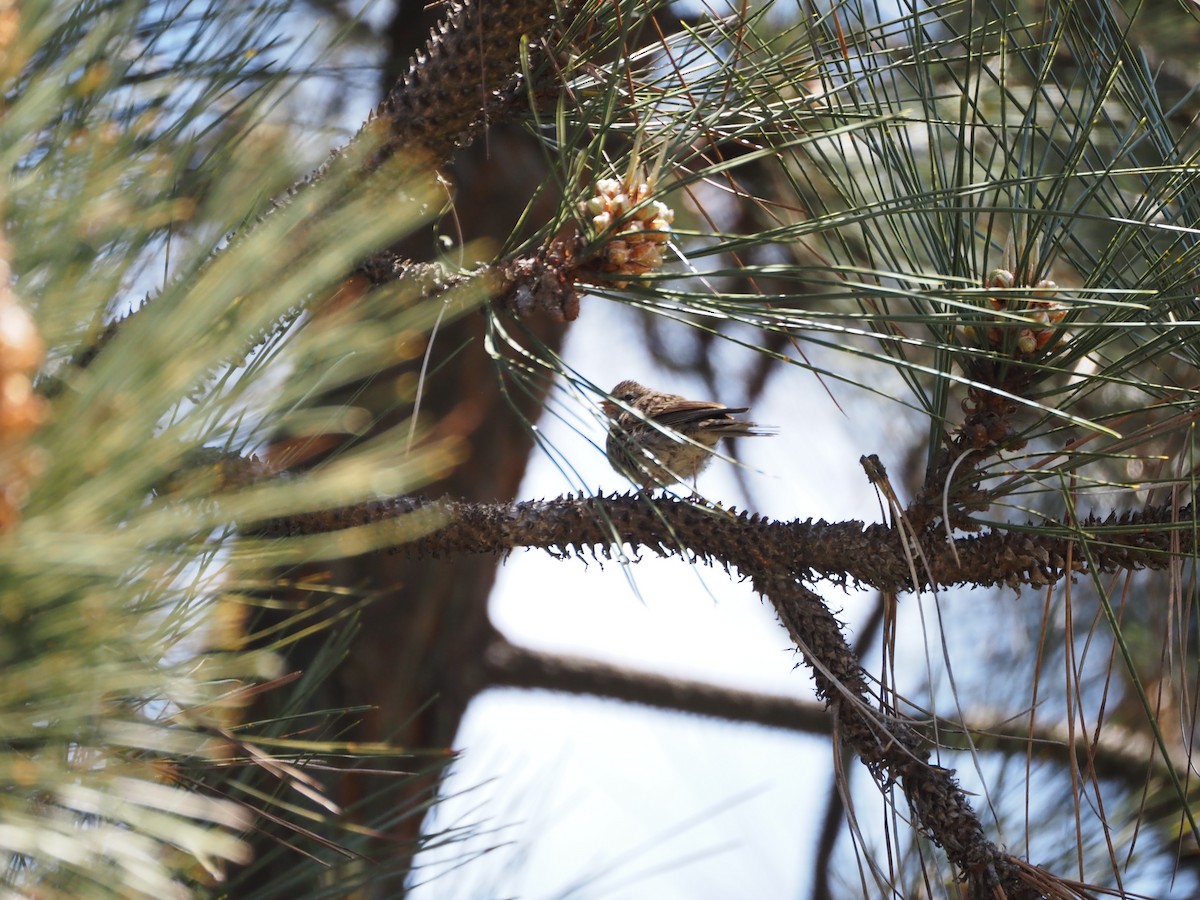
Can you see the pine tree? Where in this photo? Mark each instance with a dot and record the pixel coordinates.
(233, 612)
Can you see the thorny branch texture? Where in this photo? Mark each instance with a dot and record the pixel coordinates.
(842, 552)
(466, 75)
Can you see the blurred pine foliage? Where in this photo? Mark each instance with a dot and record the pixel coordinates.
(138, 136)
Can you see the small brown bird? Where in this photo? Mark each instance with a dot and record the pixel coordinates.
(654, 457)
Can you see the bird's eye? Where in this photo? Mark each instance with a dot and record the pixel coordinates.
(628, 397)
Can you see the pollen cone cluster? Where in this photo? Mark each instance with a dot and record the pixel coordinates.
(630, 225)
(1040, 309)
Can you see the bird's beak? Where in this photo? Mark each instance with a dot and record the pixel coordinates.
(610, 408)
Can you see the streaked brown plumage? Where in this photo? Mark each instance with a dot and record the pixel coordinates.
(652, 457)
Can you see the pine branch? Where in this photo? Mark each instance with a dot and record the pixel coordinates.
(510, 666)
(521, 284)
(843, 552)
(1115, 753)
(467, 76)
(889, 746)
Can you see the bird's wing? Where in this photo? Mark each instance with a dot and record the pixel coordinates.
(685, 412)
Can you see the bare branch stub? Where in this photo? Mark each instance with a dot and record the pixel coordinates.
(541, 284)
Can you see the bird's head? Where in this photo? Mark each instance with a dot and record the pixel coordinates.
(628, 392)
